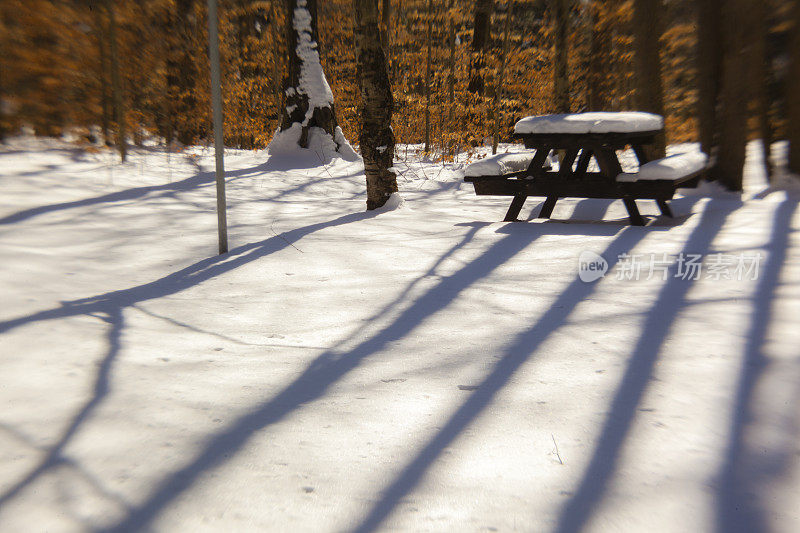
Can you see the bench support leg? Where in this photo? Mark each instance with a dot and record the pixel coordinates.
(514, 209)
(547, 207)
(633, 212)
(664, 207)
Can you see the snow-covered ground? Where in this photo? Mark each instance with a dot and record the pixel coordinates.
(426, 368)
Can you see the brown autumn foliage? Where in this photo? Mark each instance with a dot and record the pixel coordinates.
(53, 76)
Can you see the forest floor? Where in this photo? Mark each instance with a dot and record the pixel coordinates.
(422, 368)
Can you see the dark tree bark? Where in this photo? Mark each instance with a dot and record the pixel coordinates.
(762, 79)
(560, 12)
(307, 98)
(105, 108)
(377, 139)
(497, 99)
(480, 41)
(429, 39)
(709, 67)
(793, 94)
(647, 30)
(599, 59)
(182, 76)
(734, 93)
(386, 18)
(116, 83)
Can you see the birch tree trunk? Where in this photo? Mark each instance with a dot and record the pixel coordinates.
(377, 103)
(308, 100)
(647, 30)
(560, 70)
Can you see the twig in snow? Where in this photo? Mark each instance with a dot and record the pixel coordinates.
(324, 166)
(556, 445)
(284, 238)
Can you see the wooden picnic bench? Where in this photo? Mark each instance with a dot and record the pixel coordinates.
(578, 138)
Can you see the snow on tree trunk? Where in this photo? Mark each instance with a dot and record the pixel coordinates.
(377, 139)
(308, 101)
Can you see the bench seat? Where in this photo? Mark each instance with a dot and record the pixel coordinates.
(676, 168)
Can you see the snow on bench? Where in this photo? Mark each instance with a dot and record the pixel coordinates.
(595, 122)
(671, 168)
(499, 164)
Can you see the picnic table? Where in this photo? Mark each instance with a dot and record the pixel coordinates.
(578, 138)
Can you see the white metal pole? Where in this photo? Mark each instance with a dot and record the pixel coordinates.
(216, 102)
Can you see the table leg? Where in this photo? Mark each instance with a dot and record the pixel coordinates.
(547, 207)
(583, 163)
(633, 212)
(664, 207)
(514, 209)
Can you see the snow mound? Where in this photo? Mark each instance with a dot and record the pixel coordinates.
(669, 168)
(394, 203)
(286, 143)
(596, 122)
(499, 164)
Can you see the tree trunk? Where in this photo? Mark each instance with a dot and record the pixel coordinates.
(647, 30)
(428, 79)
(709, 67)
(762, 77)
(386, 18)
(560, 10)
(105, 117)
(734, 93)
(599, 58)
(116, 83)
(377, 139)
(793, 90)
(451, 76)
(480, 41)
(497, 100)
(308, 100)
(182, 74)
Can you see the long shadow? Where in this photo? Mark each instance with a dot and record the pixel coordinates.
(134, 193)
(738, 505)
(576, 513)
(515, 356)
(53, 458)
(182, 279)
(313, 383)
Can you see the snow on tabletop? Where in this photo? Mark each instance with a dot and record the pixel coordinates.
(596, 122)
(669, 168)
(499, 164)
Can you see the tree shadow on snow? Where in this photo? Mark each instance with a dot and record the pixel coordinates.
(517, 353)
(577, 511)
(54, 456)
(744, 470)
